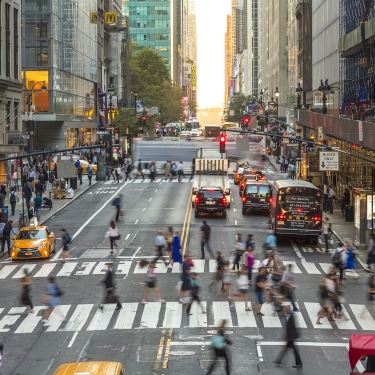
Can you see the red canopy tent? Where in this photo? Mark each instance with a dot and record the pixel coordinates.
(360, 345)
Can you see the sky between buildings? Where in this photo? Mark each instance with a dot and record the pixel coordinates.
(211, 26)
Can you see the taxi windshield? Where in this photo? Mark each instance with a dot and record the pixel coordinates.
(32, 235)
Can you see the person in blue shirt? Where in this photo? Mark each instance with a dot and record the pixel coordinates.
(38, 202)
(271, 240)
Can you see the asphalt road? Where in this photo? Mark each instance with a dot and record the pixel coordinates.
(159, 338)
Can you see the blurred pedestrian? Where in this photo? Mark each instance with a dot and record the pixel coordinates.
(139, 170)
(205, 239)
(25, 282)
(152, 172)
(219, 343)
(250, 246)
(243, 283)
(326, 232)
(109, 286)
(291, 334)
(168, 240)
(151, 277)
(370, 293)
(339, 257)
(218, 276)
(118, 174)
(195, 287)
(89, 173)
(180, 171)
(192, 169)
(113, 235)
(66, 239)
(128, 170)
(289, 281)
(370, 251)
(7, 232)
(176, 249)
(185, 277)
(167, 170)
(350, 259)
(13, 199)
(227, 279)
(117, 202)
(160, 245)
(259, 287)
(52, 299)
(239, 251)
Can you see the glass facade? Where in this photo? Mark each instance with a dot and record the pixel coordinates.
(150, 25)
(59, 46)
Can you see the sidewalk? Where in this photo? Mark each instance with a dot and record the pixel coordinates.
(342, 229)
(57, 204)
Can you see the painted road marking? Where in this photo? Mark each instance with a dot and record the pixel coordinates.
(79, 317)
(150, 316)
(221, 311)
(173, 315)
(126, 317)
(102, 318)
(45, 270)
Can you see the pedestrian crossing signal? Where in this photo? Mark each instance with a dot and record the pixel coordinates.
(222, 143)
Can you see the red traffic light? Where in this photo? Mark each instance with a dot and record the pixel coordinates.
(246, 120)
(222, 139)
(143, 118)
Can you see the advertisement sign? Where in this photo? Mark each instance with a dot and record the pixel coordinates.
(328, 161)
(299, 208)
(250, 106)
(370, 209)
(104, 101)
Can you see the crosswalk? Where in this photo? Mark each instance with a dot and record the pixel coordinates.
(125, 267)
(88, 317)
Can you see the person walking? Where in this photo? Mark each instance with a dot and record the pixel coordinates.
(339, 257)
(13, 199)
(227, 280)
(128, 170)
(118, 174)
(291, 334)
(243, 283)
(139, 170)
(117, 203)
(25, 282)
(289, 281)
(218, 276)
(38, 202)
(80, 173)
(205, 239)
(370, 251)
(260, 286)
(168, 240)
(192, 169)
(185, 277)
(195, 287)
(180, 171)
(219, 343)
(66, 239)
(108, 175)
(326, 232)
(52, 300)
(7, 232)
(38, 188)
(160, 245)
(249, 259)
(151, 277)
(271, 242)
(239, 251)
(292, 171)
(109, 286)
(27, 194)
(89, 173)
(113, 235)
(176, 250)
(167, 170)
(350, 259)
(330, 200)
(152, 172)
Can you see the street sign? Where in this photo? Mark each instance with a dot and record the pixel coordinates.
(102, 132)
(328, 161)
(360, 131)
(231, 112)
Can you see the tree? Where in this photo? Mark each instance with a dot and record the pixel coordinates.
(238, 105)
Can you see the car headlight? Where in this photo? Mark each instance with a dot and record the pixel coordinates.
(15, 248)
(43, 246)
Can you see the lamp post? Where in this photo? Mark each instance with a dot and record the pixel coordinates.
(277, 94)
(29, 94)
(110, 91)
(299, 89)
(324, 89)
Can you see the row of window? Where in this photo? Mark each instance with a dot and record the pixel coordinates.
(10, 42)
(149, 36)
(152, 24)
(148, 11)
(12, 125)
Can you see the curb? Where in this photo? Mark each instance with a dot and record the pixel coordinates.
(359, 260)
(67, 203)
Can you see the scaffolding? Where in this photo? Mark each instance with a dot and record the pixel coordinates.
(357, 73)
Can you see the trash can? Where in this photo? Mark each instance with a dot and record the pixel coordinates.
(73, 183)
(349, 213)
(4, 214)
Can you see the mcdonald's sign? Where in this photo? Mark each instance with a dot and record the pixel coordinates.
(110, 17)
(94, 17)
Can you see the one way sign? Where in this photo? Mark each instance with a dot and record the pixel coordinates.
(328, 161)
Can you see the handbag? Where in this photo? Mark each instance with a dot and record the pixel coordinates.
(46, 299)
(106, 234)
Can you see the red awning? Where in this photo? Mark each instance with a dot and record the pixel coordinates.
(359, 346)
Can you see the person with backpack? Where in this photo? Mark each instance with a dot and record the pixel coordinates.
(38, 202)
(66, 239)
(117, 203)
(6, 233)
(139, 170)
(89, 173)
(339, 257)
(52, 299)
(31, 212)
(219, 342)
(128, 170)
(13, 199)
(195, 286)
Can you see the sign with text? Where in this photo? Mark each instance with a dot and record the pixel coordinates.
(328, 161)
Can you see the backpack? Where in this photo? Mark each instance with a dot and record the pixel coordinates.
(7, 229)
(218, 341)
(59, 292)
(116, 202)
(12, 197)
(89, 172)
(336, 259)
(68, 238)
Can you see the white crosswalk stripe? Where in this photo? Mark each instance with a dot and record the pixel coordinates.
(87, 317)
(74, 268)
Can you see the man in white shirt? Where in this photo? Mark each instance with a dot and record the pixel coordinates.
(180, 171)
(160, 245)
(330, 200)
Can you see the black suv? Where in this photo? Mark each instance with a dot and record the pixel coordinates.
(210, 201)
(256, 196)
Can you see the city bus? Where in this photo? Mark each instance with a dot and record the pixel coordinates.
(212, 131)
(192, 124)
(296, 210)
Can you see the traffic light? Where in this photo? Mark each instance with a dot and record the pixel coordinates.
(246, 121)
(144, 119)
(105, 144)
(222, 143)
(139, 120)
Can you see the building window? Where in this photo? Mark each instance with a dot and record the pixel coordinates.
(7, 40)
(15, 42)
(7, 114)
(144, 37)
(16, 116)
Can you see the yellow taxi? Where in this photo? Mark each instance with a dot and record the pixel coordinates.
(33, 242)
(84, 165)
(247, 176)
(91, 368)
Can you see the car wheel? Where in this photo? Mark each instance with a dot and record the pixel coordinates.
(244, 211)
(196, 214)
(224, 215)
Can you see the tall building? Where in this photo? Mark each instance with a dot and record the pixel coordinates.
(251, 30)
(11, 104)
(153, 24)
(273, 57)
(229, 83)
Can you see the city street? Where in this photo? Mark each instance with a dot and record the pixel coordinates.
(159, 337)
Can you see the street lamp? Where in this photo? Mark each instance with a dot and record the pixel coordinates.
(324, 89)
(277, 94)
(299, 89)
(110, 91)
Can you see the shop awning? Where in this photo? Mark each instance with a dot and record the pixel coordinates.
(81, 124)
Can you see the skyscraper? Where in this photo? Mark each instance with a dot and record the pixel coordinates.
(153, 24)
